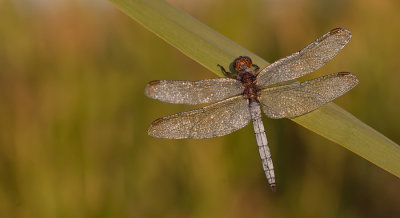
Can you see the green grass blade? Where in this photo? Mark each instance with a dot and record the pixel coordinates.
(210, 48)
(338, 125)
(185, 33)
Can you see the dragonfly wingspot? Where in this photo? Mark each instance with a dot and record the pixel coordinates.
(154, 82)
(333, 31)
(343, 73)
(155, 122)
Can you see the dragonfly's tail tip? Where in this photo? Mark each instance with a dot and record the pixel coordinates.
(273, 187)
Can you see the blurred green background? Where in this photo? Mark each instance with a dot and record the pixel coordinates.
(73, 139)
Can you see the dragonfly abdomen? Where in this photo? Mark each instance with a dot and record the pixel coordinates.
(262, 143)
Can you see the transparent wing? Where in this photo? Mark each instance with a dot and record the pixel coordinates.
(211, 121)
(300, 98)
(307, 60)
(193, 92)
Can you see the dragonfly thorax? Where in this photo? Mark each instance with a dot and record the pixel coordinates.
(248, 80)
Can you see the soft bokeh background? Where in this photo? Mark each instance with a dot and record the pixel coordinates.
(73, 139)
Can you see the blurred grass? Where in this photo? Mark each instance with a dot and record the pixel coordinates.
(73, 115)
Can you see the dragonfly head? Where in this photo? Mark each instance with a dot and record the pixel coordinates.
(242, 63)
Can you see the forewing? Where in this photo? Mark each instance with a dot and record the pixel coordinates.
(211, 121)
(307, 60)
(300, 98)
(193, 92)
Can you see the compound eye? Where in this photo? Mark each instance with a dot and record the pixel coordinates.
(247, 61)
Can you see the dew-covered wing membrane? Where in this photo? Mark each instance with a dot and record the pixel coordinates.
(307, 60)
(214, 120)
(300, 98)
(193, 92)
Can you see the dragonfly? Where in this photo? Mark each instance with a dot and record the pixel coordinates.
(239, 97)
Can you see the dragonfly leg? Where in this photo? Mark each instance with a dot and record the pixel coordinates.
(226, 73)
(256, 67)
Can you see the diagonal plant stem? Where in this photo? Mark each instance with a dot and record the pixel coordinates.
(209, 48)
